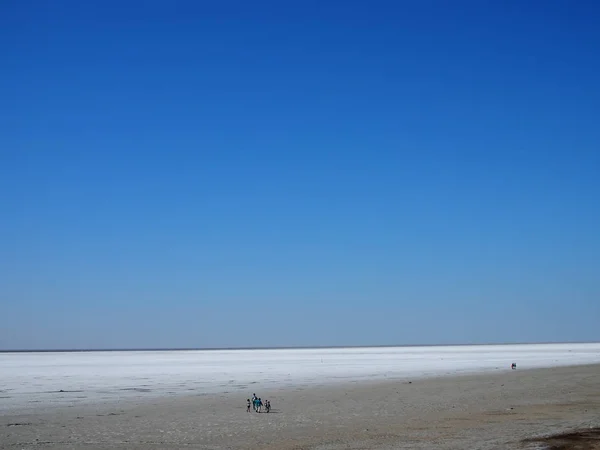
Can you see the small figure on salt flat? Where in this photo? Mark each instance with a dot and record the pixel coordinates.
(513, 366)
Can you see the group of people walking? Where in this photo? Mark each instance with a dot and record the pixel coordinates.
(257, 404)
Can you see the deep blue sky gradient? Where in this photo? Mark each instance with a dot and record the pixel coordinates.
(202, 174)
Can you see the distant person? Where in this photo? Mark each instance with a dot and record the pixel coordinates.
(513, 366)
(255, 404)
(268, 405)
(260, 405)
(248, 406)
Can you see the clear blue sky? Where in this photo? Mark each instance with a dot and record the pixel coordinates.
(201, 174)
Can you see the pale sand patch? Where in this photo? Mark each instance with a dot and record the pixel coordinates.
(489, 411)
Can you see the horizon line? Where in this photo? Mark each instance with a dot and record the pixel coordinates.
(175, 349)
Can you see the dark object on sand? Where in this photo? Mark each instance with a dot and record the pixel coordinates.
(585, 439)
(513, 366)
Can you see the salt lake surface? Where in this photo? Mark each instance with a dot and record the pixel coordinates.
(41, 380)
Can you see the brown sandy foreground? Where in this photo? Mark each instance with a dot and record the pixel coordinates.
(508, 409)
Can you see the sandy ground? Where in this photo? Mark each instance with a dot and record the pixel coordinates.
(508, 409)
